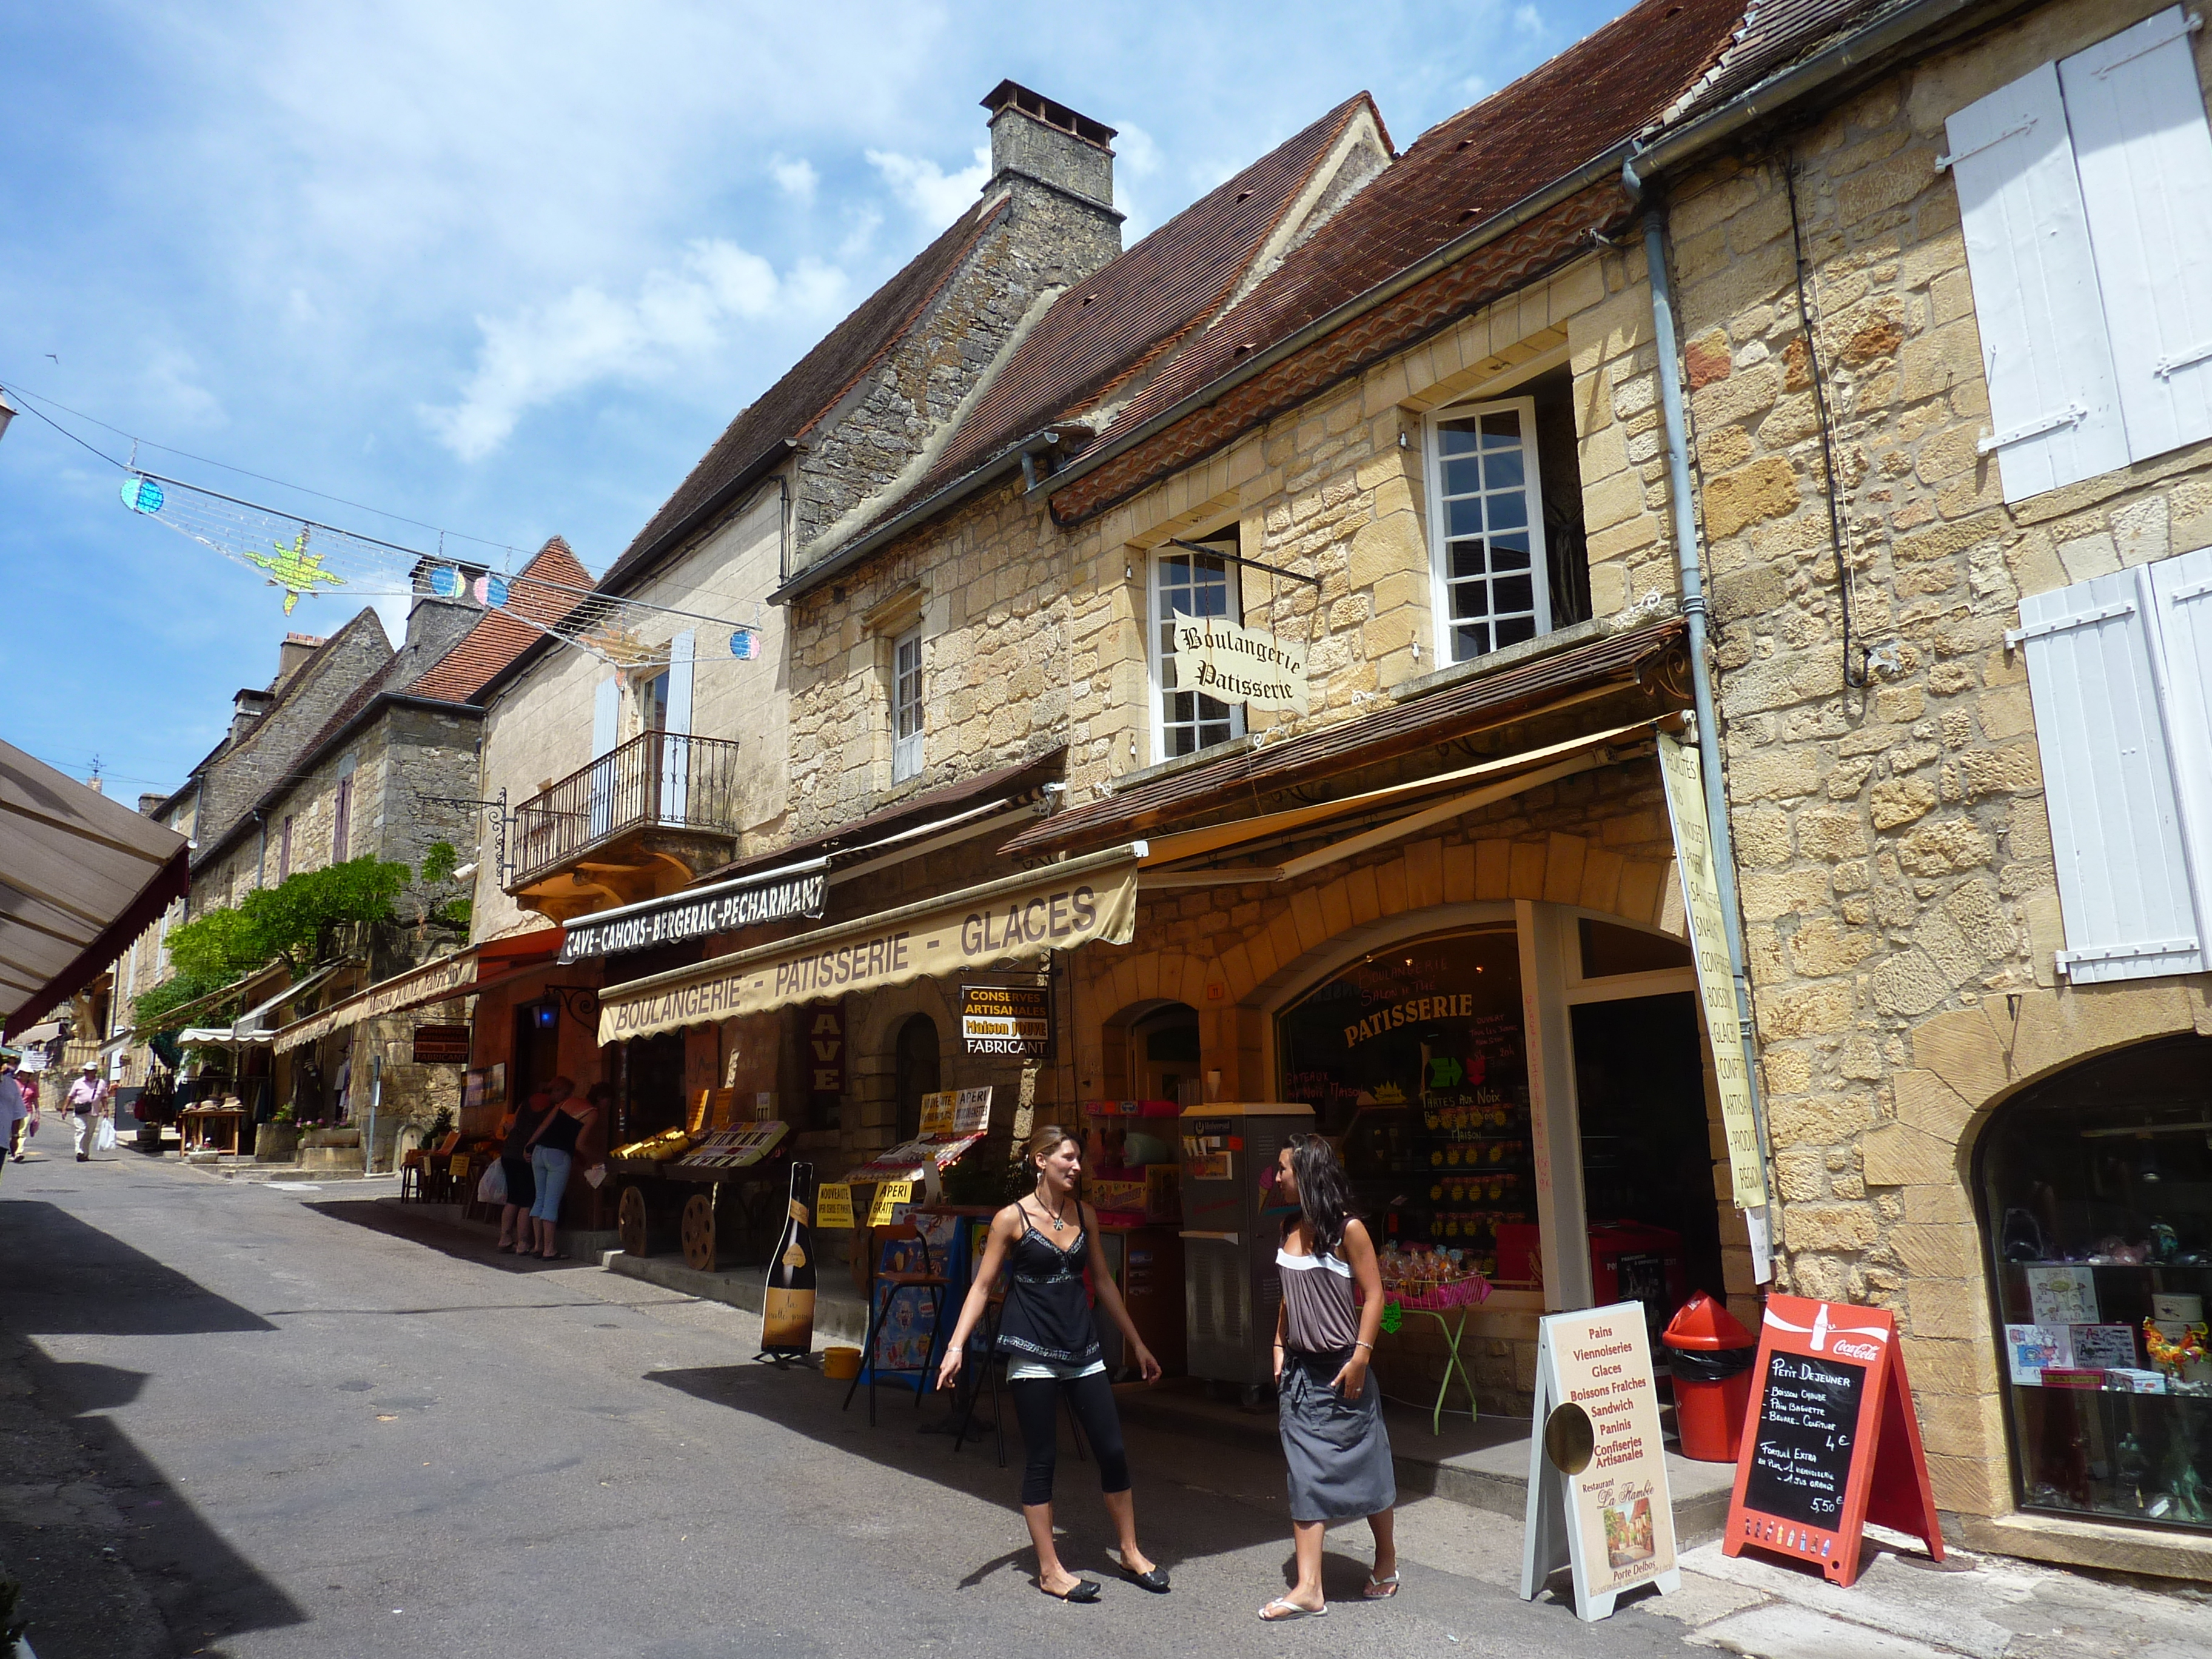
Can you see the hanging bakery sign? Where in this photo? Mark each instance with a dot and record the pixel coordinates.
(782, 897)
(1235, 664)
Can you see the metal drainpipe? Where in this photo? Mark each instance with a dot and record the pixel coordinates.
(1693, 612)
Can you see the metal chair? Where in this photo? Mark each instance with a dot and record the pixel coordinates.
(883, 1289)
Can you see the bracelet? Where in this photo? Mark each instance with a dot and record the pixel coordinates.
(1369, 1346)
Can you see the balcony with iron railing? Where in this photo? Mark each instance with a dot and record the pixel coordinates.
(641, 819)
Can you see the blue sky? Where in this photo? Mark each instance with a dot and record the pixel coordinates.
(507, 270)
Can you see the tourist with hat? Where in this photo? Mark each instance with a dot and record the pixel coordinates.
(87, 1102)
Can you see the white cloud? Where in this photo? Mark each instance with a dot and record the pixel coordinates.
(934, 194)
(1529, 20)
(544, 352)
(796, 179)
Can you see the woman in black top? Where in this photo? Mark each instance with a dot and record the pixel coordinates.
(552, 1148)
(1051, 1345)
(515, 1228)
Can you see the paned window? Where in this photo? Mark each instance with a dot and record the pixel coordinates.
(2081, 188)
(906, 706)
(1191, 584)
(284, 850)
(1486, 509)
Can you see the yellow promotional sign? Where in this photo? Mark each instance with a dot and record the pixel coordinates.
(1701, 902)
(833, 1205)
(893, 1199)
(1023, 917)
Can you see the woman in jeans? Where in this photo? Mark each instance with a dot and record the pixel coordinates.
(1051, 1343)
(1330, 1408)
(515, 1231)
(552, 1150)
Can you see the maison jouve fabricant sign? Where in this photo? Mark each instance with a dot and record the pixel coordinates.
(1237, 664)
(1701, 902)
(1023, 917)
(692, 916)
(1006, 1019)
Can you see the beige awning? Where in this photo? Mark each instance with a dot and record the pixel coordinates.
(434, 981)
(1020, 918)
(81, 876)
(250, 1027)
(184, 1011)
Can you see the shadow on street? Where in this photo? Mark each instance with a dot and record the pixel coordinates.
(90, 1284)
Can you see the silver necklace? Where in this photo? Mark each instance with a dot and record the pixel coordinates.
(1058, 1221)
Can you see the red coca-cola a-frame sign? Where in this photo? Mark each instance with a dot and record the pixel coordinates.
(1832, 1442)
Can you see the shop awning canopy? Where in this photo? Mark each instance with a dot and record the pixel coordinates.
(81, 876)
(479, 967)
(977, 929)
(251, 1026)
(183, 1011)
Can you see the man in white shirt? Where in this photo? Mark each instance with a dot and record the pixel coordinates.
(87, 1097)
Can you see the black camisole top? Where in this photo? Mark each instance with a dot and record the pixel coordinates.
(1047, 1314)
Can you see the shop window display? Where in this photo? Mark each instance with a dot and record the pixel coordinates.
(1416, 1058)
(2097, 1187)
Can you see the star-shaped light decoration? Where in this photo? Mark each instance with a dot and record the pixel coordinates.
(294, 569)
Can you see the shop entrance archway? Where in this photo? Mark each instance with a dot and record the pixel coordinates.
(916, 1068)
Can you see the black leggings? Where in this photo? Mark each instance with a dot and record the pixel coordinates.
(1037, 1405)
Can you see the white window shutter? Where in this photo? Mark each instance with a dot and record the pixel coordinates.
(607, 708)
(2137, 115)
(2054, 415)
(2124, 885)
(606, 705)
(2181, 591)
(676, 746)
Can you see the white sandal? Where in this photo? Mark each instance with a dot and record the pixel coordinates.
(1290, 1610)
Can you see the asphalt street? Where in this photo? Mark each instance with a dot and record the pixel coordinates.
(253, 1421)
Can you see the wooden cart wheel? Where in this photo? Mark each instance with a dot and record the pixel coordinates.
(630, 1224)
(699, 1231)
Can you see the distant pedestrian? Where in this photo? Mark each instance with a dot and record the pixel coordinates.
(88, 1103)
(552, 1150)
(1051, 1343)
(1329, 1405)
(14, 1114)
(515, 1231)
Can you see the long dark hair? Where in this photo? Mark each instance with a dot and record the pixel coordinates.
(1323, 1193)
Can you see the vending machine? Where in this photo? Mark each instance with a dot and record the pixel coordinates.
(1231, 1223)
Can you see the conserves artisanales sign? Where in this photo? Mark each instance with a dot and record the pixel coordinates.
(1237, 664)
(1021, 918)
(691, 915)
(1006, 1019)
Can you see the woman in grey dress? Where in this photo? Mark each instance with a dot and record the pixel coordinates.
(1331, 1408)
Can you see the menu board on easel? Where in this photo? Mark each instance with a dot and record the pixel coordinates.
(1598, 1498)
(1834, 1441)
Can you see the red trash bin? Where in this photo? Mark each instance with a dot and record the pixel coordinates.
(1711, 1354)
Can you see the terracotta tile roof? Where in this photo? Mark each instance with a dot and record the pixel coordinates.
(1108, 330)
(1774, 35)
(1598, 91)
(814, 386)
(1652, 658)
(499, 638)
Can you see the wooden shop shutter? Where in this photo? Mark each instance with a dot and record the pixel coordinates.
(2108, 777)
(2054, 413)
(2137, 115)
(2181, 597)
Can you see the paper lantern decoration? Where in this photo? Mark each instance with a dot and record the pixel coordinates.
(491, 589)
(745, 644)
(445, 582)
(142, 495)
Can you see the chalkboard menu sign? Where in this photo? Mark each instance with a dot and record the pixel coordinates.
(1833, 1444)
(1808, 1422)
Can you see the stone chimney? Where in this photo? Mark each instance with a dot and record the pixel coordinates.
(1032, 138)
(247, 706)
(149, 802)
(292, 654)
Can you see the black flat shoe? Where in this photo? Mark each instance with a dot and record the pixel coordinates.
(1083, 1589)
(1154, 1580)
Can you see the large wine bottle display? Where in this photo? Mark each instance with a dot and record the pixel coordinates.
(787, 1318)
